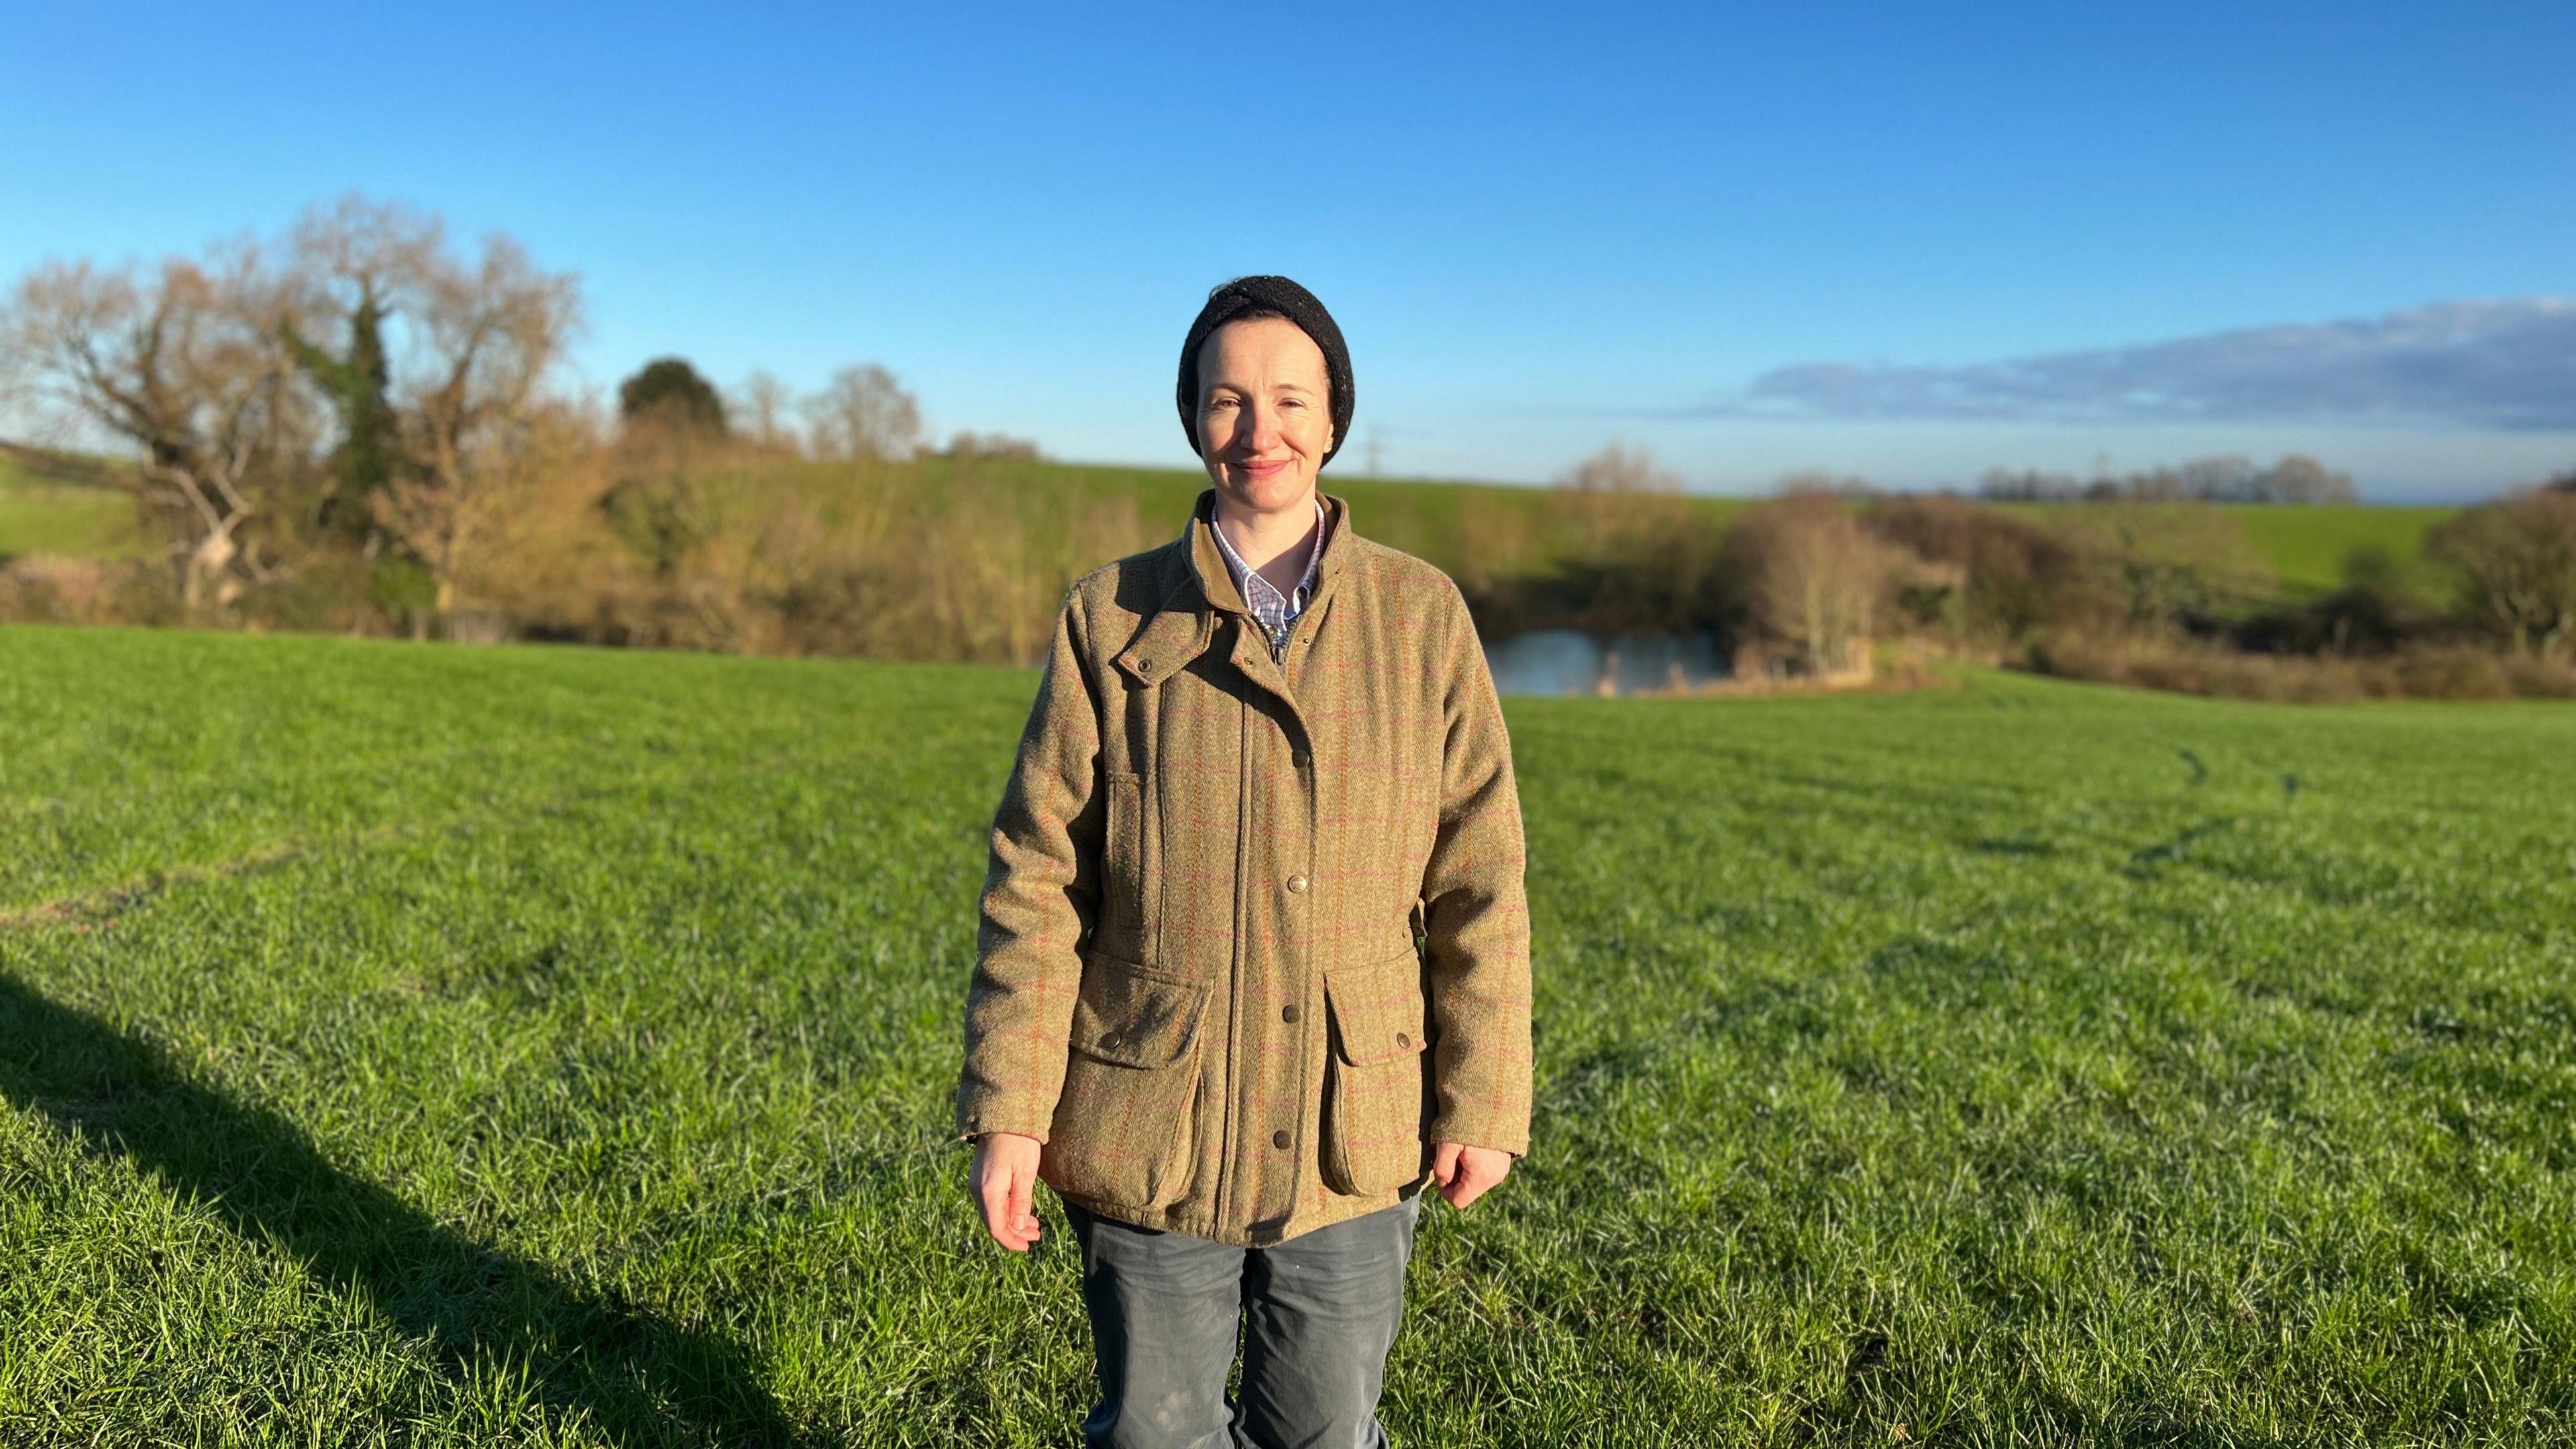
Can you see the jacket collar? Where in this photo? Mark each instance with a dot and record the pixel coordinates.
(1216, 581)
(1182, 628)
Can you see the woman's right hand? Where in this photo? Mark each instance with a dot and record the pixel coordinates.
(1002, 1180)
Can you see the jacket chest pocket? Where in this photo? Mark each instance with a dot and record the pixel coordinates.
(1127, 1118)
(1376, 1098)
(1124, 928)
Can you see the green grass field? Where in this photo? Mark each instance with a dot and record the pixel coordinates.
(416, 1045)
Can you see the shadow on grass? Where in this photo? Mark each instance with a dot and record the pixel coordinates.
(633, 1378)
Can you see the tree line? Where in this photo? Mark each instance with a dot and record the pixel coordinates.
(2142, 589)
(862, 413)
(2229, 478)
(360, 425)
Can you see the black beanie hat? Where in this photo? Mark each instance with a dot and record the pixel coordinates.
(1231, 300)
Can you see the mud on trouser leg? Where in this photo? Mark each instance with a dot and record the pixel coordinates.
(1164, 1309)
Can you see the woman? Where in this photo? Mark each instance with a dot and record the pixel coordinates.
(1253, 963)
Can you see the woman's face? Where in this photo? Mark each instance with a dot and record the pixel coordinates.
(1265, 412)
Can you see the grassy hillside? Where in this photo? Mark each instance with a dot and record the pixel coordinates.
(53, 510)
(2308, 544)
(46, 508)
(421, 1045)
(1433, 520)
(2305, 545)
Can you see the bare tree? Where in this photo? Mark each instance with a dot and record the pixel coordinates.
(863, 413)
(2298, 478)
(2225, 479)
(1608, 504)
(489, 334)
(763, 404)
(1627, 548)
(968, 444)
(181, 364)
(2515, 561)
(1822, 483)
(1807, 576)
(1615, 469)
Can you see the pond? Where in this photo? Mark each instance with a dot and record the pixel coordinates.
(1569, 661)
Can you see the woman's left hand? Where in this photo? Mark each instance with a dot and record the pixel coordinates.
(1464, 1172)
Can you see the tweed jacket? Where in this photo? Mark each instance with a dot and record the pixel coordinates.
(1253, 934)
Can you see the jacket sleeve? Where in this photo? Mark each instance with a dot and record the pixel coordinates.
(1476, 915)
(1040, 897)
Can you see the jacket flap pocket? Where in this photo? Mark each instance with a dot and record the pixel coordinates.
(1166, 645)
(1125, 1016)
(1377, 1010)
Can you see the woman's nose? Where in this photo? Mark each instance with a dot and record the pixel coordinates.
(1261, 426)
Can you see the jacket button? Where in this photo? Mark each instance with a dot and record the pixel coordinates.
(1144, 666)
(1296, 882)
(1402, 1040)
(1300, 759)
(1279, 1139)
(1289, 1012)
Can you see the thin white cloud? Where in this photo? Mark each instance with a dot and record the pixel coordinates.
(2507, 365)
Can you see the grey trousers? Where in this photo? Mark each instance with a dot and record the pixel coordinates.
(1317, 1315)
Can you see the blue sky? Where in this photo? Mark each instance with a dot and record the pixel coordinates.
(1753, 240)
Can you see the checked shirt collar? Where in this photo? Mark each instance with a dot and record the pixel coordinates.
(1275, 614)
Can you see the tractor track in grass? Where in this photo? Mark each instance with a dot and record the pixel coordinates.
(88, 910)
(93, 908)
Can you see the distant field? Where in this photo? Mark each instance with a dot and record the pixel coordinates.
(1440, 521)
(45, 517)
(419, 1045)
(41, 512)
(1429, 519)
(2307, 544)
